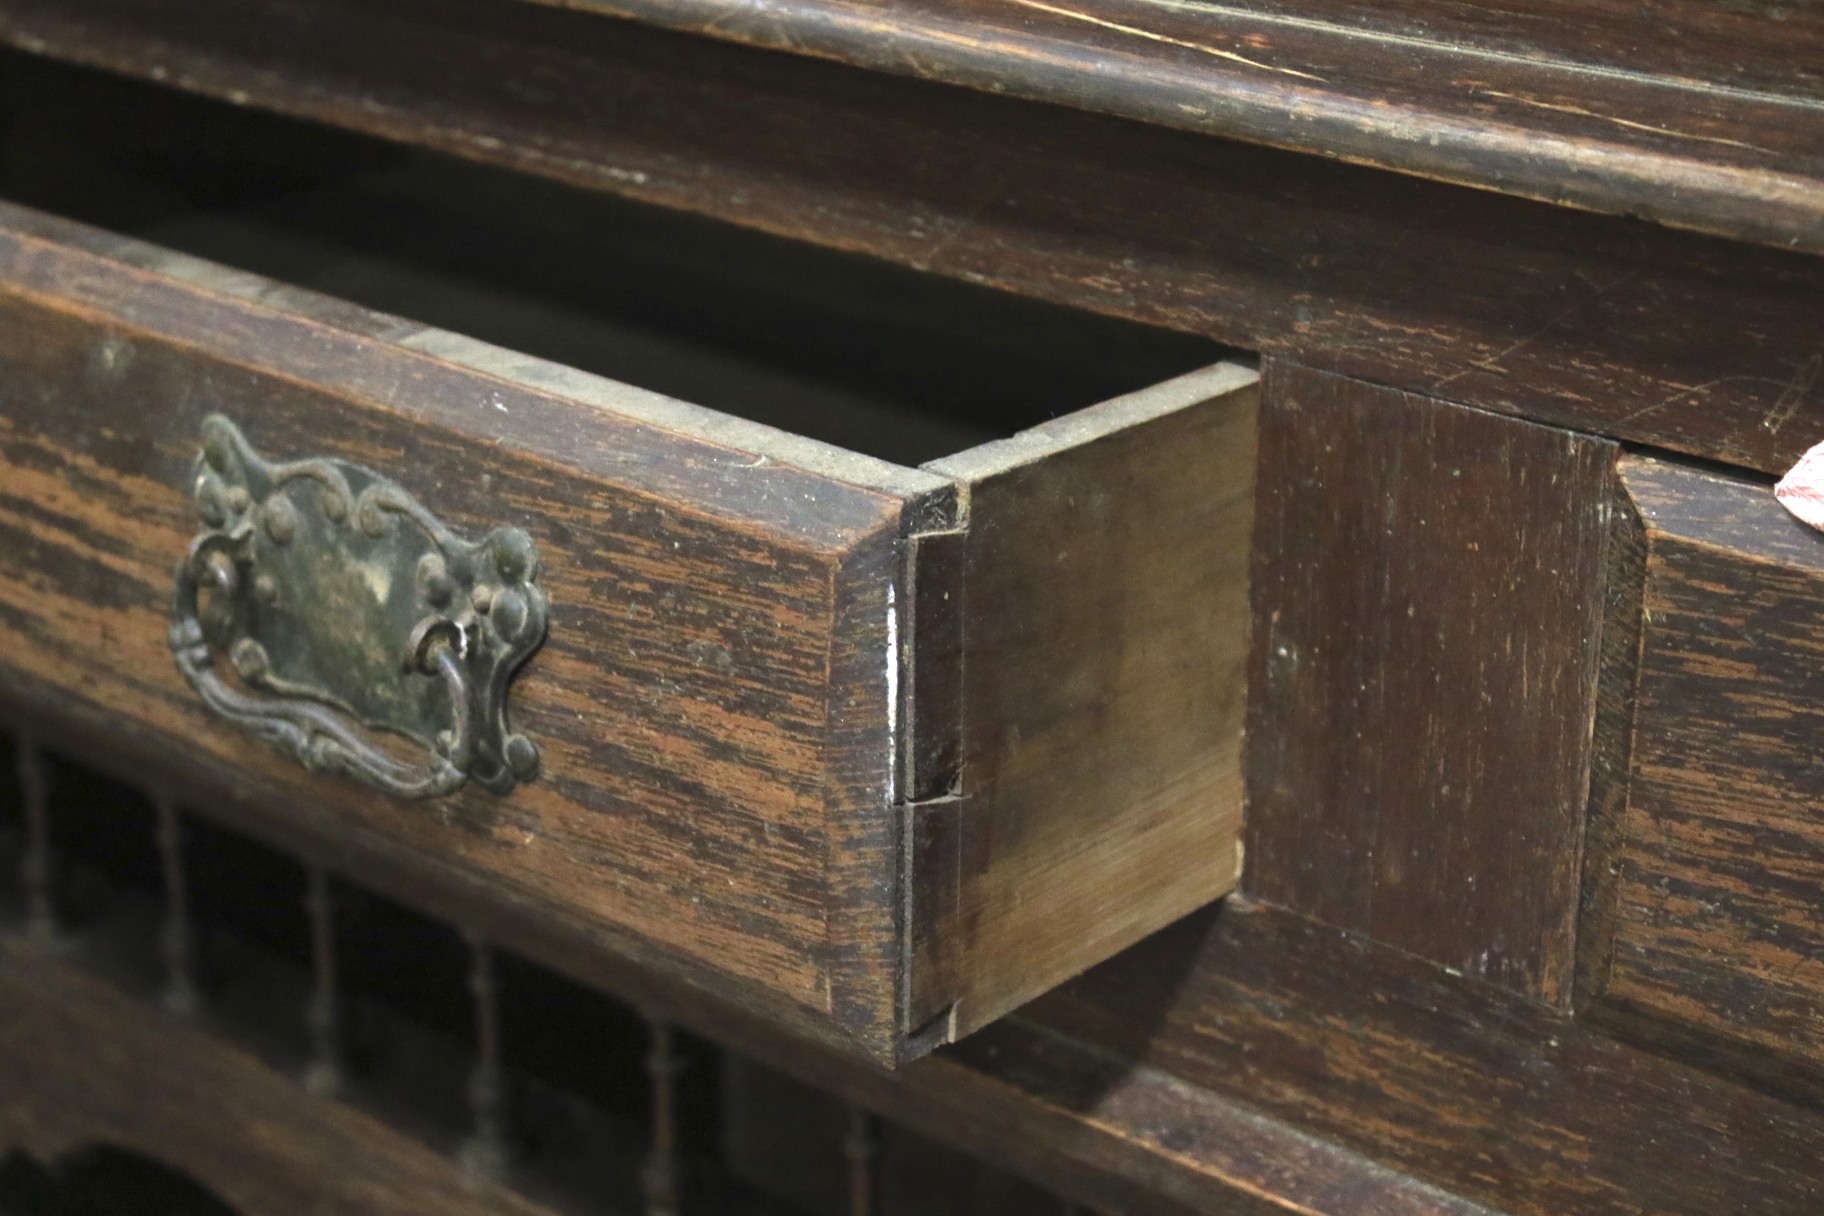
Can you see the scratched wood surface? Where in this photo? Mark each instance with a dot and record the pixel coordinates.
(1600, 324)
(1729, 45)
(1427, 590)
(1714, 925)
(1236, 1062)
(725, 720)
(1602, 106)
(1699, 115)
(713, 700)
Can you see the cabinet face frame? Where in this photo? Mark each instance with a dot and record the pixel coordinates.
(736, 719)
(1428, 589)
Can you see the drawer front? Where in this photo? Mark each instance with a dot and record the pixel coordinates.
(878, 752)
(713, 703)
(1711, 921)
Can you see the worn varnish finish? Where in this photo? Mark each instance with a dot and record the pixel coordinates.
(1696, 115)
(732, 631)
(1611, 742)
(82, 1064)
(1501, 1102)
(1247, 1060)
(1600, 324)
(1602, 109)
(1428, 604)
(691, 772)
(1515, 702)
(1713, 933)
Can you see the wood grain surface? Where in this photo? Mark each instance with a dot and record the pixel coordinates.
(82, 1064)
(1714, 932)
(1600, 324)
(1105, 636)
(1497, 1100)
(719, 704)
(713, 700)
(1665, 116)
(1253, 1059)
(1248, 1060)
(1698, 115)
(1243, 1060)
(1428, 598)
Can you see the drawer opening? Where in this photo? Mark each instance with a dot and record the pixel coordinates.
(878, 751)
(874, 358)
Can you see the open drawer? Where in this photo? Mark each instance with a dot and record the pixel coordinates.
(878, 749)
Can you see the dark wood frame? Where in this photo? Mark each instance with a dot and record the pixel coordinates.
(1255, 1058)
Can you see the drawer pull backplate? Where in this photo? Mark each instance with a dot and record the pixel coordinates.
(357, 623)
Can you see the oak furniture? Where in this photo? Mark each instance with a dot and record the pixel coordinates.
(1158, 607)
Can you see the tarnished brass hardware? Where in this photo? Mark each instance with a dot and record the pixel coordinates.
(349, 613)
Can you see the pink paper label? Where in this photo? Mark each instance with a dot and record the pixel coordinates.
(1801, 491)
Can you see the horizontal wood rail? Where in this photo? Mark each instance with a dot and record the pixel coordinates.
(1686, 114)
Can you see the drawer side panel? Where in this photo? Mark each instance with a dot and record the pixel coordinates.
(1105, 628)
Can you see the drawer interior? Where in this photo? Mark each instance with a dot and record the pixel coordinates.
(873, 358)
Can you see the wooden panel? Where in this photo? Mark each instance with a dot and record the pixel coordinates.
(1714, 923)
(82, 1064)
(1428, 596)
(1611, 743)
(713, 702)
(1104, 641)
(1599, 324)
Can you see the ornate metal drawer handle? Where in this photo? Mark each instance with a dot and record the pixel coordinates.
(351, 616)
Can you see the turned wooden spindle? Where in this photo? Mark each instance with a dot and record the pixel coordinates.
(177, 938)
(661, 1177)
(486, 1150)
(37, 867)
(861, 1145)
(323, 1014)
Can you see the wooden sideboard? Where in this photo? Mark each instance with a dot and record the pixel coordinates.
(1151, 607)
